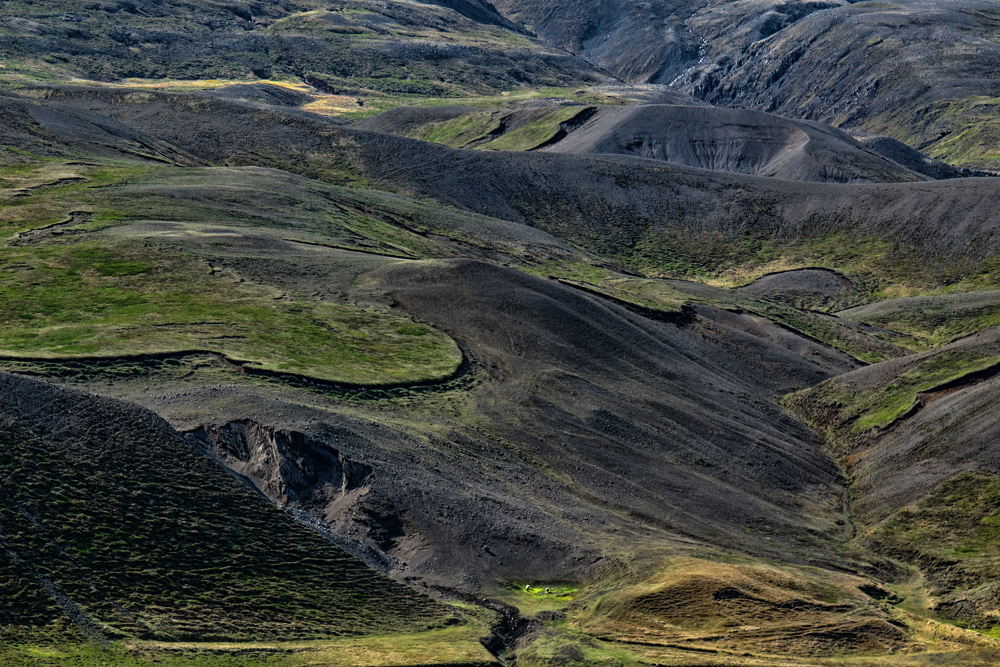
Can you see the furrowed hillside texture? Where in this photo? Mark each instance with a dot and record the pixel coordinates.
(341, 48)
(114, 526)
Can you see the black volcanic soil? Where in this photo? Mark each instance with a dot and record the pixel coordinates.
(593, 436)
(732, 140)
(58, 131)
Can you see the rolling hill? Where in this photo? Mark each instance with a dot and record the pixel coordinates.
(690, 136)
(113, 527)
(406, 333)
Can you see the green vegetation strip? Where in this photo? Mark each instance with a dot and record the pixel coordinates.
(885, 406)
(846, 413)
(533, 134)
(461, 131)
(455, 646)
(93, 300)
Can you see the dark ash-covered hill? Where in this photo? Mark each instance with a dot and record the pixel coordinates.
(587, 423)
(112, 526)
(730, 140)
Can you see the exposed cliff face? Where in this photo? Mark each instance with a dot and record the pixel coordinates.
(319, 484)
(286, 466)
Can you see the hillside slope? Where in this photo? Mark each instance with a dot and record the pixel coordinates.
(584, 422)
(918, 435)
(693, 136)
(442, 48)
(935, 94)
(735, 141)
(919, 71)
(112, 526)
(655, 217)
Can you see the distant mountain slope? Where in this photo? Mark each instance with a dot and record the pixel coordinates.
(920, 71)
(390, 48)
(657, 217)
(112, 526)
(637, 41)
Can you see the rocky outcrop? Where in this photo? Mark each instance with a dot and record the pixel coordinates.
(286, 466)
(316, 483)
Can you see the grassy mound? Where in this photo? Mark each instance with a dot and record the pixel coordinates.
(89, 285)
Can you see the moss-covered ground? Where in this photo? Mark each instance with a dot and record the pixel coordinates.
(534, 134)
(849, 416)
(90, 288)
(455, 646)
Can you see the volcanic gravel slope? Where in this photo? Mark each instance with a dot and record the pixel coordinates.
(112, 526)
(591, 435)
(730, 140)
(55, 131)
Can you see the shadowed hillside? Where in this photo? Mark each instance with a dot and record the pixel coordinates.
(115, 527)
(345, 48)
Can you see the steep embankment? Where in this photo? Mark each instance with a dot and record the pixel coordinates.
(112, 526)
